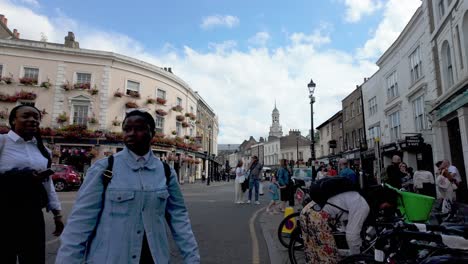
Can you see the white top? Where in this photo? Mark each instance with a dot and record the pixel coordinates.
(20, 154)
(420, 177)
(454, 171)
(239, 171)
(321, 175)
(445, 188)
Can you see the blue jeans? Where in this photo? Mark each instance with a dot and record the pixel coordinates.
(253, 183)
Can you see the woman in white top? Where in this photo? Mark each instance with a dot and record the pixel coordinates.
(240, 178)
(446, 187)
(26, 188)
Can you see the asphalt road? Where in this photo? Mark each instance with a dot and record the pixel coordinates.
(226, 232)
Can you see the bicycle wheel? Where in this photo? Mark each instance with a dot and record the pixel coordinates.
(361, 258)
(287, 222)
(296, 248)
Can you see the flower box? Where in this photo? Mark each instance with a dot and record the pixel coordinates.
(180, 118)
(131, 105)
(67, 86)
(28, 81)
(161, 112)
(134, 94)
(161, 101)
(82, 86)
(116, 122)
(26, 95)
(177, 108)
(185, 124)
(174, 132)
(7, 80)
(118, 94)
(93, 91)
(92, 120)
(8, 98)
(113, 136)
(62, 118)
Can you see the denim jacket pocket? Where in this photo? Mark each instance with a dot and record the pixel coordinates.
(121, 201)
(162, 200)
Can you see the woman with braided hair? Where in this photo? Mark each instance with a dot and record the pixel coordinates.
(26, 188)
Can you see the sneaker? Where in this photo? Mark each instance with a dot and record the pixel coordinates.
(257, 202)
(248, 201)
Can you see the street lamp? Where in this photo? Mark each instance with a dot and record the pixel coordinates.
(209, 156)
(297, 151)
(311, 87)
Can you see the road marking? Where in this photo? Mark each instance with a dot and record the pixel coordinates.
(48, 243)
(253, 234)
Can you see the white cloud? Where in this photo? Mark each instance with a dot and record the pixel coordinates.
(397, 14)
(219, 21)
(356, 9)
(260, 39)
(240, 85)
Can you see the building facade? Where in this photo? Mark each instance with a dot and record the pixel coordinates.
(322, 147)
(295, 147)
(272, 152)
(353, 126)
(84, 95)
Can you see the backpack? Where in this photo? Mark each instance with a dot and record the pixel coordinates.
(323, 189)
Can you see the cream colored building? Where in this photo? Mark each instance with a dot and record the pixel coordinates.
(110, 82)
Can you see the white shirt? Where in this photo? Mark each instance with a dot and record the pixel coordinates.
(445, 188)
(239, 171)
(454, 171)
(20, 154)
(140, 159)
(420, 177)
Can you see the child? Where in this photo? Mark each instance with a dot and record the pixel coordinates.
(274, 194)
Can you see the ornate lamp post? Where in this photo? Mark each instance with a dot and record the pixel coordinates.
(311, 86)
(208, 174)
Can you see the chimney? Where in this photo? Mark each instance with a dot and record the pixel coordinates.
(16, 33)
(70, 41)
(169, 70)
(4, 20)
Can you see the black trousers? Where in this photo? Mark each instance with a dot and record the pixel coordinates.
(24, 236)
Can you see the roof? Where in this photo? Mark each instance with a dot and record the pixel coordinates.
(329, 119)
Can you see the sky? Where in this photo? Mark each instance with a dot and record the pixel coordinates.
(241, 56)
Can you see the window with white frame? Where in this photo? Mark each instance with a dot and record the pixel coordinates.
(352, 109)
(179, 101)
(31, 73)
(373, 106)
(359, 110)
(80, 114)
(159, 120)
(1, 70)
(395, 126)
(415, 64)
(179, 128)
(132, 86)
(374, 132)
(161, 94)
(392, 86)
(83, 77)
(419, 114)
(447, 59)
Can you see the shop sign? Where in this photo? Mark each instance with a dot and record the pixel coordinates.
(452, 105)
(392, 147)
(414, 141)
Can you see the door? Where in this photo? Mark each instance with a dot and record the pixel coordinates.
(456, 153)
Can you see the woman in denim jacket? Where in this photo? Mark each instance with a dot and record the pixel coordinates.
(138, 204)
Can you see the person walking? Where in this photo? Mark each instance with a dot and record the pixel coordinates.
(273, 189)
(26, 188)
(240, 178)
(346, 172)
(126, 222)
(394, 174)
(283, 181)
(330, 170)
(446, 187)
(322, 173)
(255, 169)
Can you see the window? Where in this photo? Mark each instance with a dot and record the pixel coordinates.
(347, 142)
(441, 8)
(392, 86)
(460, 55)
(341, 123)
(359, 110)
(354, 139)
(301, 156)
(360, 135)
(419, 114)
(1, 70)
(333, 127)
(395, 128)
(179, 129)
(31, 73)
(83, 77)
(447, 64)
(80, 114)
(374, 132)
(179, 101)
(373, 106)
(132, 87)
(159, 124)
(415, 64)
(352, 110)
(328, 130)
(341, 144)
(345, 111)
(161, 94)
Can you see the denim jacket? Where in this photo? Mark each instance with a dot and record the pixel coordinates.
(283, 177)
(137, 201)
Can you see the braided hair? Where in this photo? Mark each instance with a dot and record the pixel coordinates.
(40, 142)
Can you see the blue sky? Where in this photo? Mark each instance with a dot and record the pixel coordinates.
(240, 55)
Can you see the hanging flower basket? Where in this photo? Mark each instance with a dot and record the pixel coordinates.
(3, 115)
(82, 86)
(180, 118)
(131, 105)
(92, 120)
(28, 81)
(26, 95)
(187, 137)
(134, 94)
(46, 84)
(150, 101)
(185, 124)
(94, 90)
(8, 98)
(62, 118)
(114, 136)
(118, 94)
(161, 101)
(177, 108)
(67, 86)
(7, 79)
(198, 122)
(161, 112)
(116, 122)
(174, 132)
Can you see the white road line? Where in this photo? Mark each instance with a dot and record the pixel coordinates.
(253, 234)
